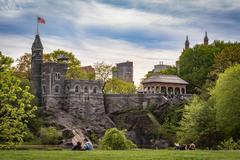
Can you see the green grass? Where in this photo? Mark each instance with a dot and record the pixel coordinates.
(118, 155)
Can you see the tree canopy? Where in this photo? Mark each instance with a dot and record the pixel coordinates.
(195, 65)
(229, 56)
(103, 72)
(227, 97)
(116, 85)
(169, 71)
(23, 67)
(15, 104)
(198, 123)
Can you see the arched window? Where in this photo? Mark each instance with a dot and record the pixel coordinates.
(86, 89)
(77, 89)
(163, 90)
(183, 91)
(57, 76)
(95, 90)
(170, 90)
(57, 89)
(177, 91)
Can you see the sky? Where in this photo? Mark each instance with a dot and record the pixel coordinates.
(143, 31)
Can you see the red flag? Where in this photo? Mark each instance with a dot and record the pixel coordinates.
(41, 20)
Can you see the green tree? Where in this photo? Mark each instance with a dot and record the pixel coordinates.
(116, 86)
(229, 56)
(23, 67)
(227, 98)
(54, 57)
(198, 123)
(16, 107)
(74, 65)
(103, 72)
(195, 65)
(171, 70)
(115, 139)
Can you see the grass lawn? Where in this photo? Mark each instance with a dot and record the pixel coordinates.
(118, 155)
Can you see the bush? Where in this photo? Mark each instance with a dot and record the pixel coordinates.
(230, 144)
(115, 139)
(50, 135)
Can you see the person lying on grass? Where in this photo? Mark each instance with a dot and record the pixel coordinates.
(87, 145)
(78, 146)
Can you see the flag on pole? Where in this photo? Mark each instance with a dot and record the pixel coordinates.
(41, 20)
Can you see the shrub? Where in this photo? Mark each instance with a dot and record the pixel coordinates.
(115, 139)
(50, 135)
(230, 144)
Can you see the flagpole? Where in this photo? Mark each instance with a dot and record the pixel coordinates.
(37, 26)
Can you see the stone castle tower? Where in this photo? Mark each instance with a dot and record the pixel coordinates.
(205, 39)
(187, 43)
(36, 67)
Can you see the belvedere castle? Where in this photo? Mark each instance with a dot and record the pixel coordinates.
(81, 104)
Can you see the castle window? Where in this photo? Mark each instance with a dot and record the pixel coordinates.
(86, 89)
(95, 90)
(77, 89)
(57, 89)
(43, 89)
(86, 99)
(43, 76)
(57, 76)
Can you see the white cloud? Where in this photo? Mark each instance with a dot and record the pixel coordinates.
(90, 51)
(12, 8)
(97, 14)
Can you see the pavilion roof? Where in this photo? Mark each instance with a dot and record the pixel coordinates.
(164, 79)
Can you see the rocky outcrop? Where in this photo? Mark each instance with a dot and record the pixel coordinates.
(81, 117)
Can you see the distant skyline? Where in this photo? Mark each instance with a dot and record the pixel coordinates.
(114, 31)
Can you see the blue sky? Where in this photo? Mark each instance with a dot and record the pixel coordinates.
(142, 31)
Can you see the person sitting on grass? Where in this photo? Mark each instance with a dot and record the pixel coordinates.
(78, 146)
(87, 145)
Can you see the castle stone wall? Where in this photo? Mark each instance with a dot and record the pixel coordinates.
(119, 102)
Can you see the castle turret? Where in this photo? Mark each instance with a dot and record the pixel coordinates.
(36, 67)
(206, 39)
(187, 44)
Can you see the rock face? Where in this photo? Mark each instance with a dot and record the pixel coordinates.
(81, 117)
(83, 112)
(132, 112)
